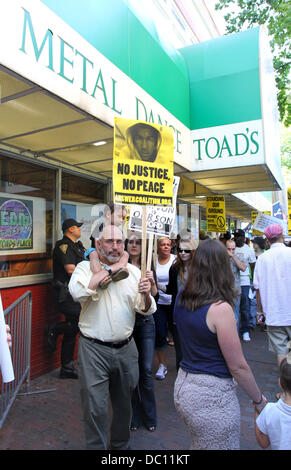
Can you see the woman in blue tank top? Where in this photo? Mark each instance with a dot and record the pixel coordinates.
(212, 359)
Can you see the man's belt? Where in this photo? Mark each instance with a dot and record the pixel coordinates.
(116, 345)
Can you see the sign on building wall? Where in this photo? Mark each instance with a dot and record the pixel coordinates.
(215, 214)
(143, 159)
(235, 118)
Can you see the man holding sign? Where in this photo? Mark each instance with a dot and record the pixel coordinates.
(107, 354)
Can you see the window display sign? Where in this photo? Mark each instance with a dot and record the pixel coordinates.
(16, 224)
(22, 225)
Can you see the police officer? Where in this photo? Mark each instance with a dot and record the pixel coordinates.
(67, 253)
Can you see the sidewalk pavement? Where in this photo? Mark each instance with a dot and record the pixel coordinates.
(50, 417)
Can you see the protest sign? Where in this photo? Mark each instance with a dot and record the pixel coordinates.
(254, 216)
(215, 214)
(160, 220)
(263, 220)
(5, 357)
(143, 160)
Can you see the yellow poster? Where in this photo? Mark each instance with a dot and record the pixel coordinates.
(143, 163)
(289, 210)
(215, 214)
(254, 216)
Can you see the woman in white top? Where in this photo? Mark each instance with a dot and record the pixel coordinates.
(161, 316)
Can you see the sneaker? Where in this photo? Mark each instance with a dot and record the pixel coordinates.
(162, 372)
(246, 337)
(122, 273)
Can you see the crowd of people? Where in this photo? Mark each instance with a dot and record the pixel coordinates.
(204, 297)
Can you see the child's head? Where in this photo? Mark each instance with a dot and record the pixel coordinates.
(114, 214)
(285, 374)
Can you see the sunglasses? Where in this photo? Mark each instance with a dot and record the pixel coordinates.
(183, 251)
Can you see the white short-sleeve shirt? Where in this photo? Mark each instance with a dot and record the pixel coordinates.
(275, 422)
(247, 256)
(162, 273)
(272, 277)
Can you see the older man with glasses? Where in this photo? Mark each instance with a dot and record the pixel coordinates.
(107, 353)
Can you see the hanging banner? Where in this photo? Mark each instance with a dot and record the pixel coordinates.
(160, 220)
(289, 210)
(215, 214)
(143, 161)
(254, 216)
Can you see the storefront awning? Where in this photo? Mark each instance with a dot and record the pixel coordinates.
(34, 122)
(194, 193)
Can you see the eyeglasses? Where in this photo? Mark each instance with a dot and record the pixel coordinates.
(183, 251)
(111, 242)
(136, 242)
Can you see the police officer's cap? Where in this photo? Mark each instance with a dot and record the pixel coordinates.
(70, 223)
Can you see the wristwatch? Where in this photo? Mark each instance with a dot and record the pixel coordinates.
(87, 253)
(108, 269)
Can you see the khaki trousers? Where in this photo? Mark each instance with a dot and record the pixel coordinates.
(107, 373)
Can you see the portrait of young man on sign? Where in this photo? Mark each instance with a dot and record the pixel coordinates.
(144, 142)
(139, 140)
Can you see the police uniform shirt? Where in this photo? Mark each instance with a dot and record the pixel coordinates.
(66, 252)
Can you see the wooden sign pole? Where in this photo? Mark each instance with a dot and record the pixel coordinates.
(150, 251)
(144, 242)
(155, 252)
(143, 249)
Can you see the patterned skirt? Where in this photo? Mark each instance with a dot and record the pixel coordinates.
(210, 409)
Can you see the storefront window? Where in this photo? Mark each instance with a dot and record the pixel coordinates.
(79, 196)
(26, 218)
